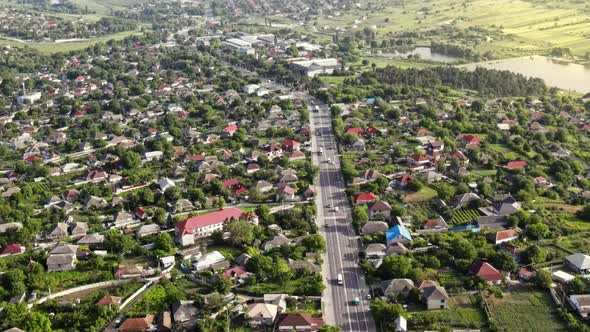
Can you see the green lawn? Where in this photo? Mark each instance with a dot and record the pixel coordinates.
(228, 252)
(425, 194)
(527, 27)
(263, 288)
(68, 47)
(528, 310)
(485, 172)
(337, 80)
(465, 317)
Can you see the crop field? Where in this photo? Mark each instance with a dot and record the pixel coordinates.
(68, 47)
(99, 7)
(463, 216)
(527, 27)
(528, 310)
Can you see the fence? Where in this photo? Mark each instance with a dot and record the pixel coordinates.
(97, 285)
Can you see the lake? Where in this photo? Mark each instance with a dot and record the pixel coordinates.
(425, 53)
(566, 76)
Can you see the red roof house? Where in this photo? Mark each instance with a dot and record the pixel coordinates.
(373, 131)
(516, 165)
(487, 272)
(12, 249)
(137, 324)
(290, 145)
(140, 213)
(366, 198)
(299, 322)
(355, 131)
(189, 229)
(503, 236)
(231, 183)
(418, 159)
(240, 191)
(470, 139)
(235, 272)
(109, 300)
(230, 130)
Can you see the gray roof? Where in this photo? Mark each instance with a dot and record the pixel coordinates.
(184, 311)
(64, 249)
(435, 292)
(373, 227)
(10, 225)
(579, 260)
(375, 248)
(91, 239)
(148, 229)
(59, 229)
(61, 259)
(399, 286)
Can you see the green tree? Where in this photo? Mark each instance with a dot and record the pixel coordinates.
(503, 260)
(242, 233)
(159, 216)
(584, 213)
(315, 243)
(281, 272)
(445, 191)
(223, 285)
(386, 313)
(37, 322)
(463, 249)
(538, 231)
(535, 254)
(329, 328)
(164, 245)
(395, 267)
(360, 216)
(14, 281)
(543, 279)
(131, 159)
(117, 243)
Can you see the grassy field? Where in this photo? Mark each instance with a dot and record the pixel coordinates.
(263, 288)
(68, 47)
(425, 194)
(228, 252)
(463, 312)
(526, 310)
(98, 7)
(527, 27)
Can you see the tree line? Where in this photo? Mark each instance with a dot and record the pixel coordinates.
(488, 81)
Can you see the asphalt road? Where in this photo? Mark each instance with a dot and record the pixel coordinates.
(343, 243)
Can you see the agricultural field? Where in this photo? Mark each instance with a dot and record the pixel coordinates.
(460, 217)
(49, 47)
(525, 310)
(524, 27)
(463, 312)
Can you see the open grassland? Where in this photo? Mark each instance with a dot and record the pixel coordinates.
(423, 195)
(526, 310)
(528, 27)
(97, 7)
(68, 47)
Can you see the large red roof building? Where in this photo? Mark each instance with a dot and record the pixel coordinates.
(486, 272)
(193, 228)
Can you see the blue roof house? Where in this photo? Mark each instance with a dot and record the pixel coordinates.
(398, 234)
